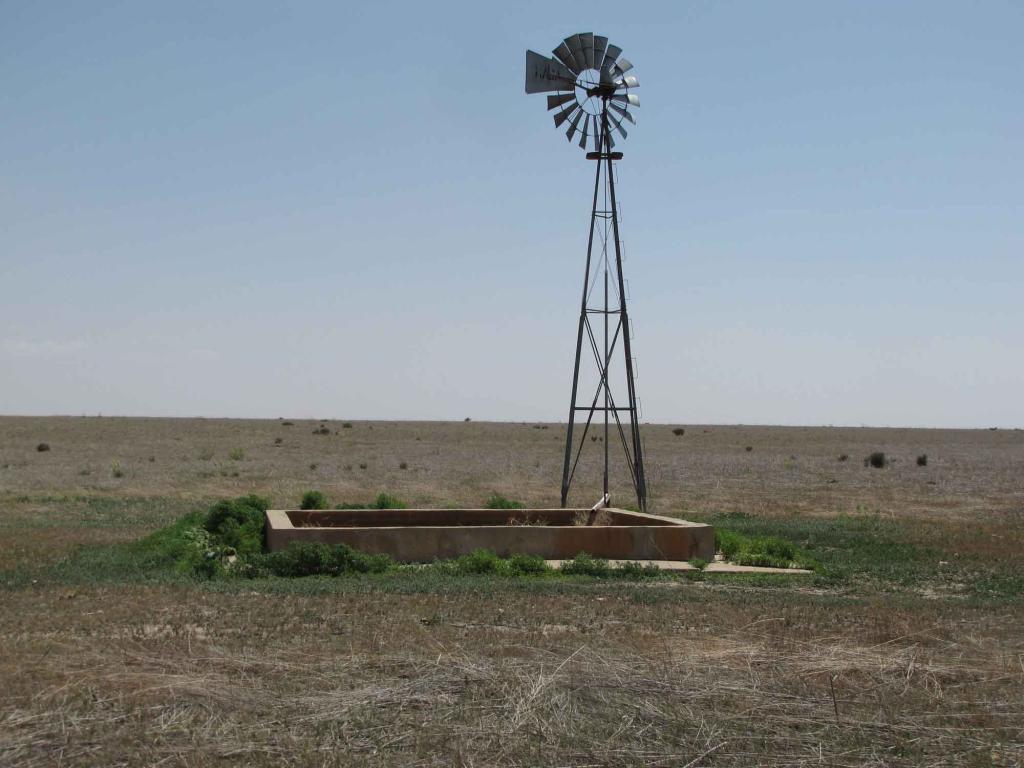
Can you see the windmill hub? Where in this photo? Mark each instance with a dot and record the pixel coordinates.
(589, 92)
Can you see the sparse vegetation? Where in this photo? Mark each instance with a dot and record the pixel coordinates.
(43, 447)
(346, 425)
(911, 618)
(236, 454)
(876, 459)
(922, 460)
(116, 469)
(403, 465)
(749, 448)
(323, 429)
(844, 456)
(679, 431)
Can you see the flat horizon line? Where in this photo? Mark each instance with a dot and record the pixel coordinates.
(498, 421)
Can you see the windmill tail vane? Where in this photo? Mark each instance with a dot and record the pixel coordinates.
(589, 92)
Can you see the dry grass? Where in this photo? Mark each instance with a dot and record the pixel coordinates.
(517, 680)
(684, 674)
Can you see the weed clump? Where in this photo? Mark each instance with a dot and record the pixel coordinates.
(322, 430)
(43, 447)
(236, 454)
(387, 501)
(844, 456)
(482, 561)
(304, 558)
(762, 551)
(314, 500)
(922, 460)
(678, 431)
(587, 565)
(527, 565)
(699, 564)
(497, 501)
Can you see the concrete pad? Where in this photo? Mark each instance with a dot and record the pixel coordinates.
(716, 567)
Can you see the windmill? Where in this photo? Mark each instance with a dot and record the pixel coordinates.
(590, 92)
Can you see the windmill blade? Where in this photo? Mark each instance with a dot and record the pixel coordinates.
(564, 55)
(629, 81)
(610, 55)
(611, 141)
(625, 65)
(617, 125)
(544, 75)
(560, 99)
(572, 125)
(623, 112)
(625, 98)
(586, 126)
(600, 44)
(576, 46)
(562, 116)
(587, 43)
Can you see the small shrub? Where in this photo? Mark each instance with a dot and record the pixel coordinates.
(699, 564)
(43, 447)
(115, 468)
(403, 465)
(876, 459)
(322, 430)
(844, 456)
(497, 501)
(527, 565)
(633, 570)
(922, 460)
(347, 425)
(238, 523)
(287, 423)
(301, 558)
(205, 455)
(278, 440)
(387, 501)
(678, 431)
(313, 500)
(236, 454)
(467, 419)
(586, 565)
(152, 459)
(728, 543)
(362, 465)
(312, 466)
(348, 560)
(482, 561)
(749, 448)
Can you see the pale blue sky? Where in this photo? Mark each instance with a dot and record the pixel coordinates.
(354, 211)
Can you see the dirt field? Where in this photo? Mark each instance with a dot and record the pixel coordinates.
(906, 649)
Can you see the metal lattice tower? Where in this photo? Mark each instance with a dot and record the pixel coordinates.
(591, 95)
